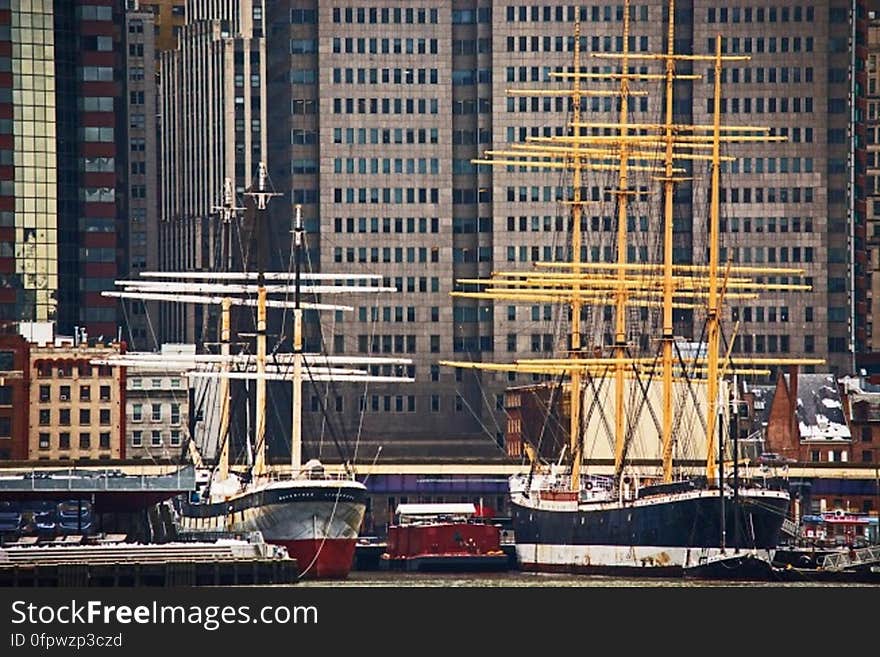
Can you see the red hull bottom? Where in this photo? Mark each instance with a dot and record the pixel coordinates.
(320, 558)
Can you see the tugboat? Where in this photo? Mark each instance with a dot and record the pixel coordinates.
(443, 538)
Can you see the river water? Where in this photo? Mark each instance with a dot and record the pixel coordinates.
(520, 579)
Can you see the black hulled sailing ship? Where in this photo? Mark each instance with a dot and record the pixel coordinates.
(315, 513)
(624, 494)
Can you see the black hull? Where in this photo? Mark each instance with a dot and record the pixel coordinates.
(685, 522)
(734, 568)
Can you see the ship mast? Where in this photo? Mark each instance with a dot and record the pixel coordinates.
(296, 423)
(623, 192)
(713, 318)
(261, 197)
(227, 213)
(668, 286)
(575, 430)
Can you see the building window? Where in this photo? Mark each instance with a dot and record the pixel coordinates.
(45, 417)
(45, 393)
(85, 393)
(64, 417)
(814, 456)
(104, 440)
(104, 416)
(64, 440)
(175, 413)
(867, 456)
(137, 439)
(105, 393)
(44, 441)
(137, 412)
(866, 434)
(85, 416)
(64, 392)
(156, 439)
(85, 441)
(175, 437)
(5, 427)
(157, 413)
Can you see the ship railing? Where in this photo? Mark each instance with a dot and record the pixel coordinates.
(860, 557)
(314, 474)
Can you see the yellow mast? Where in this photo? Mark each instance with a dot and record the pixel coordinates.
(261, 198)
(713, 318)
(223, 465)
(622, 237)
(668, 183)
(576, 446)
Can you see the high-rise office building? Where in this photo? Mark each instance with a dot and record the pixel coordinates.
(377, 111)
(61, 190)
(141, 234)
(213, 127)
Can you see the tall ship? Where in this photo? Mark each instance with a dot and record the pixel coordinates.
(627, 472)
(312, 511)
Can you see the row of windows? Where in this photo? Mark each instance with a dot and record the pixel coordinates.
(770, 224)
(386, 254)
(385, 46)
(85, 440)
(398, 224)
(156, 438)
(768, 165)
(85, 416)
(386, 165)
(559, 14)
(385, 76)
(548, 104)
(137, 383)
(734, 45)
(761, 254)
(64, 393)
(387, 344)
(386, 195)
(766, 195)
(566, 44)
(385, 106)
(377, 15)
(550, 194)
(760, 314)
(385, 136)
(771, 344)
(44, 369)
(783, 14)
(772, 105)
(761, 74)
(138, 410)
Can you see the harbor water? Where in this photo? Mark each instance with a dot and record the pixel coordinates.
(521, 579)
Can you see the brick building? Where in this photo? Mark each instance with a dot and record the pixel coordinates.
(76, 409)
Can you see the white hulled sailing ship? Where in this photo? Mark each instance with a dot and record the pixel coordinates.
(645, 505)
(315, 513)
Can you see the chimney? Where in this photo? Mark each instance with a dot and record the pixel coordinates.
(793, 396)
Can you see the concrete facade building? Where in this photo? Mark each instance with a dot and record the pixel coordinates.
(213, 127)
(157, 415)
(142, 228)
(377, 112)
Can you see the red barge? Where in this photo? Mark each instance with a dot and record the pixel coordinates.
(443, 537)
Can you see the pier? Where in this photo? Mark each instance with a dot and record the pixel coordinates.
(224, 563)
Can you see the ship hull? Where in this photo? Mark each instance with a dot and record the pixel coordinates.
(318, 522)
(658, 536)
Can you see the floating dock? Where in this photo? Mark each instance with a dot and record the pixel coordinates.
(224, 563)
